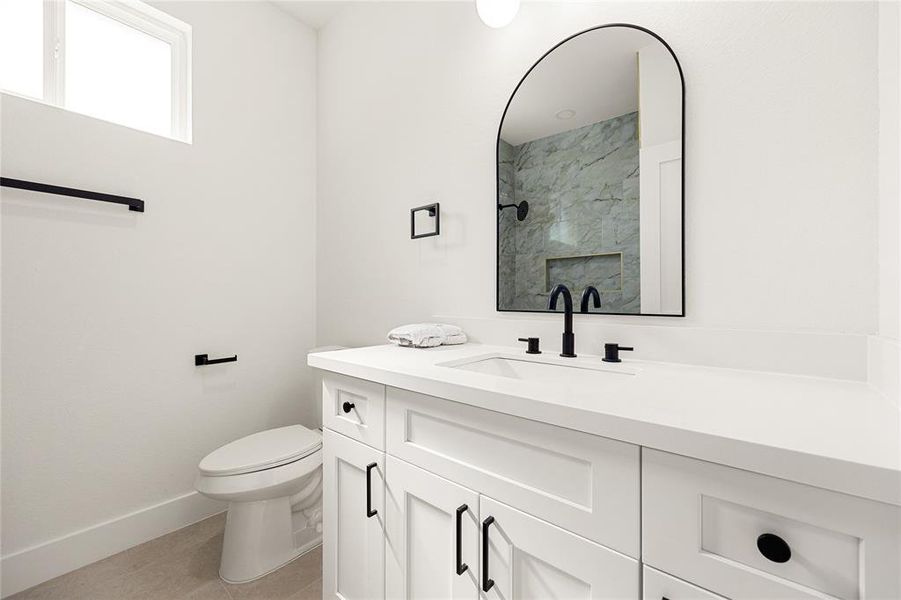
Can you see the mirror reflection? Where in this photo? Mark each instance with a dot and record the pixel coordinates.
(589, 164)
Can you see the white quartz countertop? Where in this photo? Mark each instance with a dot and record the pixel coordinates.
(835, 434)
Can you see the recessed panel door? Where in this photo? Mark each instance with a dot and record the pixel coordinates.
(432, 533)
(353, 553)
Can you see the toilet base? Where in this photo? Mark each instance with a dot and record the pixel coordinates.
(259, 539)
(307, 548)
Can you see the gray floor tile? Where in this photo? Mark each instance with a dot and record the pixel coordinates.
(284, 583)
(183, 565)
(312, 592)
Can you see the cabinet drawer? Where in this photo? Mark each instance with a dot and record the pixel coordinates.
(585, 484)
(354, 407)
(660, 586)
(704, 522)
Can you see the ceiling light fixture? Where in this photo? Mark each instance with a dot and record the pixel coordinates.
(566, 113)
(497, 13)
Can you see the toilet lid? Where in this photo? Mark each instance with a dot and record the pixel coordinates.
(262, 450)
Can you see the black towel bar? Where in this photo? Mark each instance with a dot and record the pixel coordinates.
(132, 203)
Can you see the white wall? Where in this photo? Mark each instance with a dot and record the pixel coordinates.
(889, 167)
(781, 164)
(885, 348)
(104, 412)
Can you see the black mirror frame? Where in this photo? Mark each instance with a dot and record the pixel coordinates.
(497, 255)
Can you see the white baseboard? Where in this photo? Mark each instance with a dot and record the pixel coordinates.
(31, 566)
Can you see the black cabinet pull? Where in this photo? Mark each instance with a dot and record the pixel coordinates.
(487, 582)
(347, 406)
(369, 512)
(460, 565)
(774, 548)
(204, 359)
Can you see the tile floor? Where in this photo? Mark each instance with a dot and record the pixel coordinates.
(182, 565)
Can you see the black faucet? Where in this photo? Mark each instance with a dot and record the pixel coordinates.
(589, 293)
(569, 340)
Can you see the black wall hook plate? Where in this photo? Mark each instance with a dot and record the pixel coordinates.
(434, 211)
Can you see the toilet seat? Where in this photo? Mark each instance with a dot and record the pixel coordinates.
(284, 480)
(261, 451)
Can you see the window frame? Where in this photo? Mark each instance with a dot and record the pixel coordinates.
(136, 15)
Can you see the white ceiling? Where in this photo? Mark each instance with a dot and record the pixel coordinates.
(594, 74)
(316, 14)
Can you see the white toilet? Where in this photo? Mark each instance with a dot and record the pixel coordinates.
(272, 482)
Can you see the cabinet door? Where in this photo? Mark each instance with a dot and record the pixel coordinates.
(528, 558)
(353, 538)
(433, 535)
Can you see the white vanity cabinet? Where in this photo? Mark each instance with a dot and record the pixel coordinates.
(556, 511)
(429, 498)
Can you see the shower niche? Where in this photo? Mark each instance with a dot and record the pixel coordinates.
(590, 176)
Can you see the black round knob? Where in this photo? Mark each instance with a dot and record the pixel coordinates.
(347, 406)
(774, 548)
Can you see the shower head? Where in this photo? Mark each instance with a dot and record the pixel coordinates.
(522, 209)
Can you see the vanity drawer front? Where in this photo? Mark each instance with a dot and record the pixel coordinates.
(703, 522)
(585, 484)
(660, 586)
(354, 407)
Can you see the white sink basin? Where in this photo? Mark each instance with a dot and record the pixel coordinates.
(570, 371)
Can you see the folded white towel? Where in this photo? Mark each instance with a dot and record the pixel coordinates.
(426, 335)
(455, 339)
(418, 335)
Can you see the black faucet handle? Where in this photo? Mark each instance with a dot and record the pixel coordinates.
(611, 352)
(533, 345)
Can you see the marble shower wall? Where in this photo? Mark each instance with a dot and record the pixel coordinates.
(506, 257)
(582, 226)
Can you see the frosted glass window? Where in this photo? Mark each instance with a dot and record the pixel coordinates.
(117, 72)
(22, 47)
